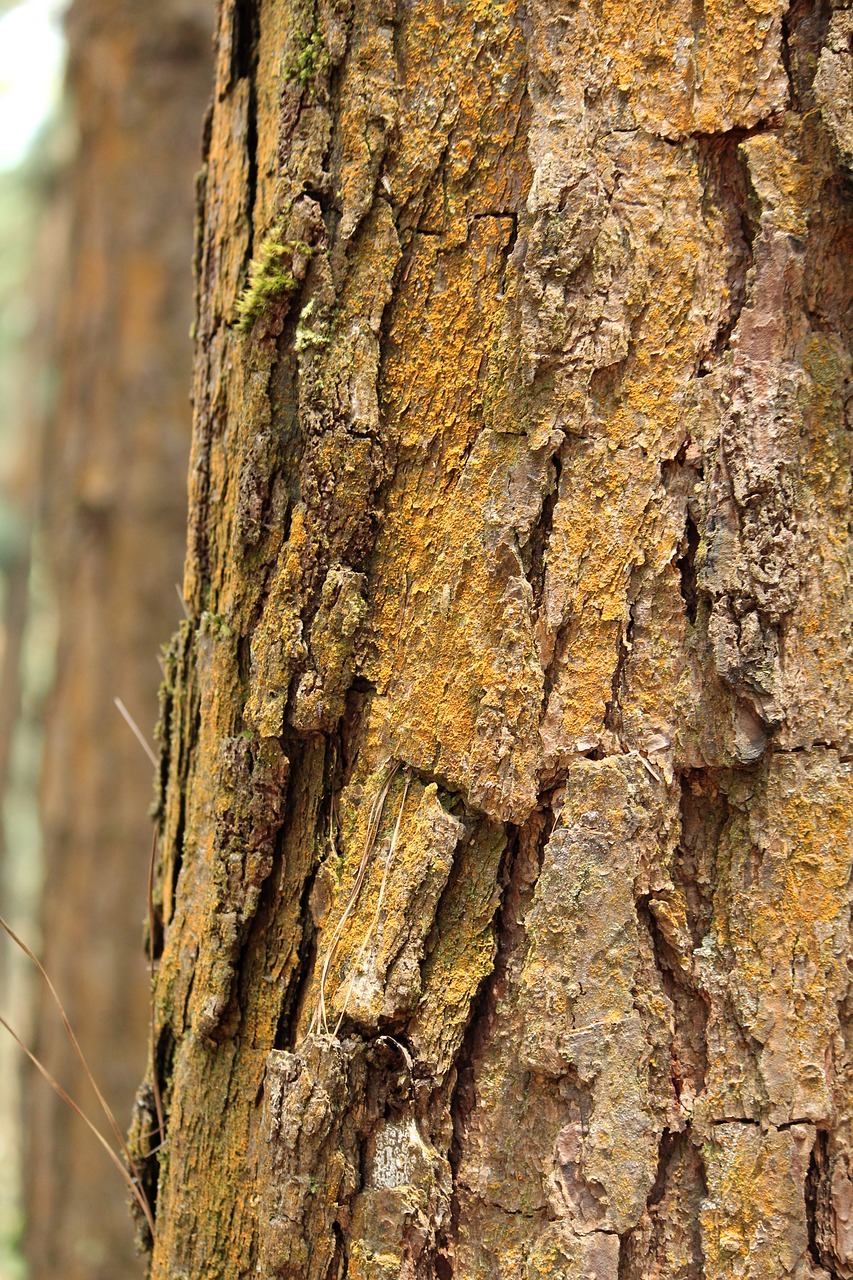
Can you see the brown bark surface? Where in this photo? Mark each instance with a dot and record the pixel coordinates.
(506, 803)
(114, 525)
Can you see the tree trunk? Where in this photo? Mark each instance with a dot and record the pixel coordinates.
(506, 806)
(115, 509)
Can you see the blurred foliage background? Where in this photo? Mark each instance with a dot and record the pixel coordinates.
(101, 108)
(35, 137)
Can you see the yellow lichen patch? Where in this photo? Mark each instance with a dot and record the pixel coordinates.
(274, 965)
(651, 48)
(559, 1254)
(277, 643)
(587, 591)
(228, 193)
(273, 23)
(679, 77)
(651, 705)
(364, 1263)
(319, 700)
(606, 522)
(818, 671)
(223, 1222)
(741, 78)
(366, 116)
(468, 119)
(780, 929)
(454, 655)
(213, 684)
(754, 1218)
(461, 952)
(493, 1242)
(780, 179)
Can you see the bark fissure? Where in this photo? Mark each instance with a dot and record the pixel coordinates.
(535, 552)
(482, 1014)
(613, 706)
(725, 181)
(686, 563)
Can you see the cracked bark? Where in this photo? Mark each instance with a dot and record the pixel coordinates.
(520, 559)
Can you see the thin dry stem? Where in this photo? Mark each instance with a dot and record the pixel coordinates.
(319, 1021)
(140, 737)
(136, 731)
(183, 602)
(75, 1044)
(132, 1181)
(375, 921)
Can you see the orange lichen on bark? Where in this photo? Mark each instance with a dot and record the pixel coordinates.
(780, 931)
(531, 465)
(754, 1219)
(464, 706)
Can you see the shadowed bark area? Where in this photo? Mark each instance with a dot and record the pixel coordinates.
(114, 470)
(506, 805)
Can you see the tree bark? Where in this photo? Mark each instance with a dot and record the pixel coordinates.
(506, 805)
(115, 453)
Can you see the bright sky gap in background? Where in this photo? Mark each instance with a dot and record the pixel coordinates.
(32, 51)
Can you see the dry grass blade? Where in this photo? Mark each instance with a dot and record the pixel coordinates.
(132, 1182)
(319, 1021)
(146, 747)
(136, 731)
(375, 921)
(69, 1031)
(183, 602)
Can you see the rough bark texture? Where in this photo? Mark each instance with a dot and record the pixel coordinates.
(115, 483)
(506, 803)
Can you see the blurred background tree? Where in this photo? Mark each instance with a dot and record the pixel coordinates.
(95, 307)
(36, 136)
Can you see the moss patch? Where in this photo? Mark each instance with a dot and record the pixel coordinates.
(270, 277)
